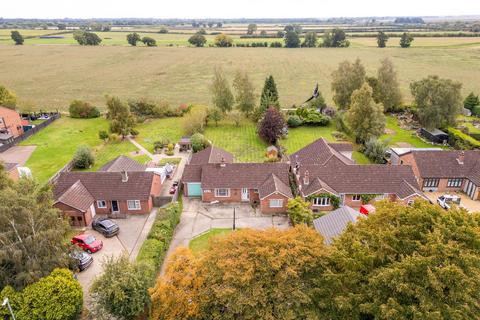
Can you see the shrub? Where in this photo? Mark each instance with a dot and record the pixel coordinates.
(476, 111)
(195, 120)
(114, 138)
(82, 109)
(152, 252)
(375, 150)
(134, 132)
(199, 142)
(462, 141)
(103, 135)
(299, 211)
(161, 143)
(57, 296)
(312, 117)
(83, 158)
(294, 121)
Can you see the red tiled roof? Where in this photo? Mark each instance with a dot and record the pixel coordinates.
(319, 152)
(274, 184)
(122, 163)
(192, 173)
(211, 154)
(108, 185)
(77, 196)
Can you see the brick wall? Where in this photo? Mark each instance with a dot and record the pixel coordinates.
(146, 207)
(209, 196)
(74, 216)
(265, 204)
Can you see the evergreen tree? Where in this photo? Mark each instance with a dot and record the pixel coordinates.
(471, 101)
(269, 98)
(382, 39)
(365, 118)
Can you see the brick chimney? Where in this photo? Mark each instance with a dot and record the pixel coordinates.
(461, 157)
(124, 176)
(223, 164)
(306, 178)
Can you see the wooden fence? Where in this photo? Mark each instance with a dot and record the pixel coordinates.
(66, 168)
(15, 141)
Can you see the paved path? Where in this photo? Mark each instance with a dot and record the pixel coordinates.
(139, 146)
(17, 154)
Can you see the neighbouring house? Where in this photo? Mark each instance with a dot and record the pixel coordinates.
(10, 125)
(397, 153)
(212, 176)
(434, 135)
(446, 171)
(120, 187)
(329, 179)
(332, 224)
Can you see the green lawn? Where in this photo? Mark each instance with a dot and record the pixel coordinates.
(57, 143)
(401, 135)
(152, 130)
(202, 242)
(467, 122)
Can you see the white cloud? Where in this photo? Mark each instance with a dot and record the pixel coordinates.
(233, 9)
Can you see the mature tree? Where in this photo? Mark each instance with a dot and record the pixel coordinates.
(83, 158)
(236, 116)
(335, 38)
(389, 93)
(195, 120)
(223, 40)
(406, 40)
(85, 38)
(470, 101)
(211, 24)
(215, 115)
(198, 40)
(61, 26)
(247, 275)
(163, 30)
(244, 93)
(271, 127)
(292, 40)
(269, 94)
(121, 120)
(438, 101)
(122, 289)
(7, 98)
(222, 96)
(57, 296)
(32, 236)
(133, 38)
(280, 34)
(252, 28)
(199, 142)
(219, 24)
(346, 79)
(149, 41)
(310, 40)
(202, 31)
(299, 211)
(83, 109)
(365, 118)
(17, 37)
(405, 262)
(382, 39)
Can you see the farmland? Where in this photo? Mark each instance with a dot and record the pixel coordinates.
(50, 76)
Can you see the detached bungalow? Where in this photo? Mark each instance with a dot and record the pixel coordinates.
(113, 190)
(212, 176)
(445, 171)
(325, 175)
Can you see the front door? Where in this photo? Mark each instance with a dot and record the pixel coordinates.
(114, 206)
(245, 194)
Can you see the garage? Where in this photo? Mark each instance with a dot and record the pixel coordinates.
(194, 189)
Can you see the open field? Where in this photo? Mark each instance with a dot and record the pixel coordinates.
(51, 76)
(57, 143)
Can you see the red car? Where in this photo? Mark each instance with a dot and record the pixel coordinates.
(87, 242)
(174, 187)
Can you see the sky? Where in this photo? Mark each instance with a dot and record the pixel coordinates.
(197, 9)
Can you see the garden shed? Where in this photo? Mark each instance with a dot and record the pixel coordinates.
(185, 144)
(435, 135)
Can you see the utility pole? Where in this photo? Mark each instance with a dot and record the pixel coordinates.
(7, 303)
(233, 218)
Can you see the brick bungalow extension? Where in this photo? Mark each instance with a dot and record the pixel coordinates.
(446, 171)
(212, 176)
(324, 171)
(120, 187)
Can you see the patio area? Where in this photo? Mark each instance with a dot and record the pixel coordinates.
(469, 204)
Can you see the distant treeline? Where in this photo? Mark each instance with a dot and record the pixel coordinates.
(410, 20)
(419, 35)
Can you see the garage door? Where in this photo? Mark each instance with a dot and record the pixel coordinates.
(194, 189)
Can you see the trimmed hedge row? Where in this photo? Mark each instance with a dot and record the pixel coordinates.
(158, 240)
(460, 140)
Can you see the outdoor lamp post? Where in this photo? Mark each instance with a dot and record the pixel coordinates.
(7, 303)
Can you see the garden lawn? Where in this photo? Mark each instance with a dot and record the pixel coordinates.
(242, 141)
(57, 143)
(401, 135)
(109, 151)
(202, 242)
(151, 130)
(300, 137)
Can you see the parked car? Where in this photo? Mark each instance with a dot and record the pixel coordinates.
(87, 242)
(83, 260)
(174, 187)
(106, 227)
(447, 200)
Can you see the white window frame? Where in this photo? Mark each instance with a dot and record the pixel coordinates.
(321, 202)
(356, 197)
(454, 182)
(101, 204)
(136, 205)
(226, 195)
(278, 203)
(431, 183)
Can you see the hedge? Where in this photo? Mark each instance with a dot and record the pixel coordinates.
(57, 296)
(158, 240)
(460, 140)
